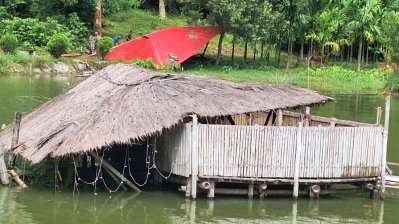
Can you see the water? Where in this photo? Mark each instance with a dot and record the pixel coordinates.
(31, 206)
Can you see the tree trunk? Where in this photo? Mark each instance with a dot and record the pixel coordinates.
(351, 54)
(279, 55)
(367, 53)
(246, 49)
(301, 51)
(359, 54)
(290, 43)
(220, 48)
(311, 48)
(97, 23)
(162, 11)
(254, 50)
(262, 47)
(233, 49)
(342, 53)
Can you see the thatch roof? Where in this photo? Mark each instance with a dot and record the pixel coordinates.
(122, 103)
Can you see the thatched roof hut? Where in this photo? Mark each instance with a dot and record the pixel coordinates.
(123, 103)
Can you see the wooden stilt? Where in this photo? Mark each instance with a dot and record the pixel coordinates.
(307, 117)
(297, 160)
(3, 168)
(211, 190)
(333, 122)
(280, 118)
(385, 145)
(194, 157)
(115, 172)
(378, 117)
(188, 187)
(250, 190)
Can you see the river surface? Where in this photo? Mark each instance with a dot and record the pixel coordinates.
(43, 206)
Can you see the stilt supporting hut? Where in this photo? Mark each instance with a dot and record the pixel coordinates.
(210, 135)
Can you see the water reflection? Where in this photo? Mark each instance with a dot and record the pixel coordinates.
(36, 206)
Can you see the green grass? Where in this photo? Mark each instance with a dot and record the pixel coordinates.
(338, 78)
(332, 78)
(139, 21)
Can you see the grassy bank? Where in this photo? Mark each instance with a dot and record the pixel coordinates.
(333, 78)
(337, 78)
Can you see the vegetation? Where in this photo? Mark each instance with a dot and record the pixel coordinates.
(9, 43)
(257, 34)
(58, 45)
(104, 46)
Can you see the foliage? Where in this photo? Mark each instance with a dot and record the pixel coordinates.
(144, 63)
(9, 43)
(104, 46)
(33, 32)
(58, 44)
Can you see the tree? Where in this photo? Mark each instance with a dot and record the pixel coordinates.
(365, 23)
(389, 36)
(162, 11)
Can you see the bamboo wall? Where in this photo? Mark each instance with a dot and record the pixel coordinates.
(174, 151)
(269, 152)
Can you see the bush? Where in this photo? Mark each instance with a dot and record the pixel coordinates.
(34, 33)
(104, 45)
(9, 43)
(58, 44)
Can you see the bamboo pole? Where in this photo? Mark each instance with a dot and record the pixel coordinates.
(385, 145)
(115, 172)
(194, 157)
(16, 178)
(279, 118)
(307, 117)
(378, 118)
(3, 167)
(297, 160)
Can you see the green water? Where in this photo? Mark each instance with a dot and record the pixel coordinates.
(21, 93)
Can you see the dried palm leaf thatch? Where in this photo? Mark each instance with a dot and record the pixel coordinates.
(123, 103)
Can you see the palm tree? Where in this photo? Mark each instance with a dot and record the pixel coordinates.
(365, 23)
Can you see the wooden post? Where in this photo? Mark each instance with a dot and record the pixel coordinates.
(297, 159)
(378, 118)
(115, 172)
(251, 190)
(188, 187)
(307, 113)
(3, 168)
(279, 118)
(385, 145)
(333, 122)
(15, 136)
(194, 157)
(211, 191)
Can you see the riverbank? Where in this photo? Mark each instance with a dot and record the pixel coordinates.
(23, 64)
(334, 78)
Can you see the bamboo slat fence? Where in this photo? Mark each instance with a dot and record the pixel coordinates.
(229, 151)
